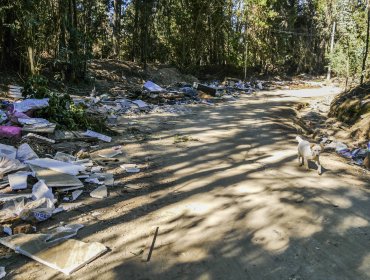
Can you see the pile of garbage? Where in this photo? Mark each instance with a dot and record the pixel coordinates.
(359, 155)
(153, 98)
(39, 179)
(33, 189)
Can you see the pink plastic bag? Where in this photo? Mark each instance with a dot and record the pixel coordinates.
(10, 131)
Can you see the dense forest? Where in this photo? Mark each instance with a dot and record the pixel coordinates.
(253, 36)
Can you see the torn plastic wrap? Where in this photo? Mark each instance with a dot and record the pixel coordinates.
(38, 210)
(30, 104)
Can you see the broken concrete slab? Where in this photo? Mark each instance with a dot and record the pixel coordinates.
(75, 254)
(141, 104)
(76, 194)
(63, 232)
(97, 135)
(107, 177)
(64, 157)
(37, 125)
(152, 87)
(18, 180)
(41, 190)
(39, 137)
(25, 152)
(56, 165)
(100, 192)
(2, 272)
(7, 165)
(67, 207)
(109, 153)
(7, 197)
(30, 104)
(130, 168)
(55, 179)
(8, 151)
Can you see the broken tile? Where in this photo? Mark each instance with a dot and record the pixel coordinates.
(7, 197)
(152, 87)
(40, 190)
(18, 180)
(75, 254)
(94, 134)
(63, 232)
(8, 151)
(56, 165)
(7, 165)
(130, 168)
(76, 194)
(94, 181)
(100, 192)
(2, 272)
(64, 157)
(25, 152)
(109, 153)
(55, 179)
(107, 177)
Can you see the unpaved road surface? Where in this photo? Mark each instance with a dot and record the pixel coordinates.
(234, 204)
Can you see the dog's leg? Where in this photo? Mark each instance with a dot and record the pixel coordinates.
(299, 160)
(318, 166)
(306, 163)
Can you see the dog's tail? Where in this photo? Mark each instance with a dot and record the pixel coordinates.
(299, 139)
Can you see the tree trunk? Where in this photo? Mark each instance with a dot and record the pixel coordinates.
(30, 53)
(367, 46)
(135, 34)
(246, 41)
(331, 50)
(116, 27)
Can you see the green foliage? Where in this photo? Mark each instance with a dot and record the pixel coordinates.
(270, 36)
(61, 109)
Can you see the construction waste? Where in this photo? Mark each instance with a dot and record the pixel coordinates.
(40, 176)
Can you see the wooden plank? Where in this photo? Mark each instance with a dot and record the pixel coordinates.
(150, 245)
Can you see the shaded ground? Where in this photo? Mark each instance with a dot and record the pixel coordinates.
(232, 205)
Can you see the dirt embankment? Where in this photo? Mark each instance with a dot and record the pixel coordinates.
(353, 108)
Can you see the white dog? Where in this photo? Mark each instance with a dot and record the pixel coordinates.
(308, 151)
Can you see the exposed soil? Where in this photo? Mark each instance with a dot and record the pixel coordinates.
(353, 108)
(229, 199)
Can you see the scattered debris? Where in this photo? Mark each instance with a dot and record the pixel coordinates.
(94, 134)
(2, 272)
(56, 165)
(18, 180)
(130, 168)
(99, 192)
(55, 155)
(152, 87)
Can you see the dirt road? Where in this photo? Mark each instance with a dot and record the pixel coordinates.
(231, 204)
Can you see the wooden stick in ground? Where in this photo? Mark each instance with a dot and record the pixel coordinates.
(150, 245)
